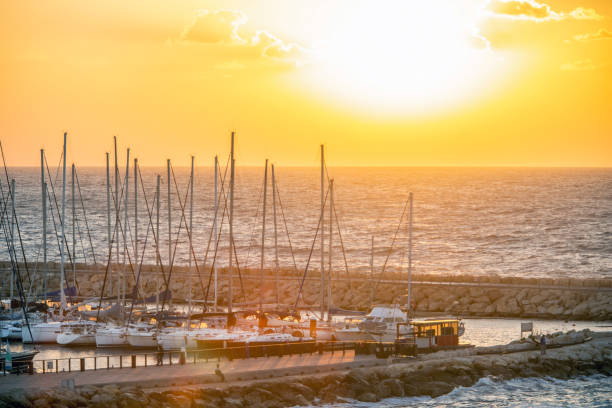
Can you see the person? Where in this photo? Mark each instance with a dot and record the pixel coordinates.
(160, 355)
(543, 345)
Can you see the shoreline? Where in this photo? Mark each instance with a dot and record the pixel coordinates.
(431, 375)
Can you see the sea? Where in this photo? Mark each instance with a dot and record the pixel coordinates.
(527, 222)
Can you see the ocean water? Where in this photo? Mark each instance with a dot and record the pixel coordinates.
(531, 222)
(585, 391)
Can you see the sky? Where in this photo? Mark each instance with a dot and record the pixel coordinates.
(380, 83)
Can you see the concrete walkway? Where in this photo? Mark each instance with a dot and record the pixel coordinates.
(199, 373)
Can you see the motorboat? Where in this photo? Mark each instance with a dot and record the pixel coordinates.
(379, 325)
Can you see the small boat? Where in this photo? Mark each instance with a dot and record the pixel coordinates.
(378, 325)
(20, 360)
(78, 333)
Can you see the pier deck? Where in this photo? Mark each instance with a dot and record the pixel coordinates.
(200, 373)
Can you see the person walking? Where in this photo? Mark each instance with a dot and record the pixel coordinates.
(543, 345)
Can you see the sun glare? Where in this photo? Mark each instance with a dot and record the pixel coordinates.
(406, 57)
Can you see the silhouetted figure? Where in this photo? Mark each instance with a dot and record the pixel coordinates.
(543, 345)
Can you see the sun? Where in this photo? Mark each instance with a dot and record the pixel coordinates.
(405, 56)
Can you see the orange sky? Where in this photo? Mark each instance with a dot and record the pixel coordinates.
(469, 82)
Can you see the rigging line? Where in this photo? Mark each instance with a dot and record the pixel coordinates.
(380, 275)
(25, 261)
(155, 237)
(108, 264)
(225, 197)
(93, 253)
(140, 268)
(286, 229)
(218, 238)
(310, 254)
(343, 249)
(189, 232)
(16, 274)
(176, 243)
(210, 236)
(56, 204)
(246, 266)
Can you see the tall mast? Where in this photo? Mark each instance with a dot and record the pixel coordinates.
(13, 255)
(117, 223)
(62, 271)
(125, 225)
(275, 236)
(322, 288)
(263, 238)
(136, 210)
(331, 224)
(409, 252)
(372, 272)
(190, 233)
(44, 220)
(73, 230)
(136, 224)
(108, 218)
(157, 252)
(169, 216)
(215, 224)
(157, 197)
(231, 228)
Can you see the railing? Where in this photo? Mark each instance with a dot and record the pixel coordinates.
(178, 357)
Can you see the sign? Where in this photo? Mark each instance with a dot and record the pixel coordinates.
(525, 327)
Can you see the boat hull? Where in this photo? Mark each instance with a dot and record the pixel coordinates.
(76, 339)
(41, 333)
(111, 339)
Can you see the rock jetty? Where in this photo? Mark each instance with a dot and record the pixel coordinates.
(491, 296)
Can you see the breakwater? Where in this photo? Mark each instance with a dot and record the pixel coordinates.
(492, 296)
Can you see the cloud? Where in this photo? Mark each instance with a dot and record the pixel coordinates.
(215, 27)
(225, 28)
(535, 11)
(602, 34)
(582, 65)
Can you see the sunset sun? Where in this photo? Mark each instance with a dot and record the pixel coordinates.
(406, 57)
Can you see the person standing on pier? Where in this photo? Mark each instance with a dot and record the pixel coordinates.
(543, 345)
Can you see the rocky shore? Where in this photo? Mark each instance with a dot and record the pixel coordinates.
(491, 296)
(430, 375)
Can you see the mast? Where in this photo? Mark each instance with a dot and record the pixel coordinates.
(409, 252)
(117, 223)
(136, 210)
(263, 238)
(215, 224)
(136, 226)
(157, 253)
(329, 268)
(275, 236)
(63, 237)
(372, 272)
(12, 246)
(322, 288)
(108, 218)
(125, 225)
(169, 224)
(231, 228)
(190, 234)
(44, 220)
(73, 230)
(169, 216)
(157, 197)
